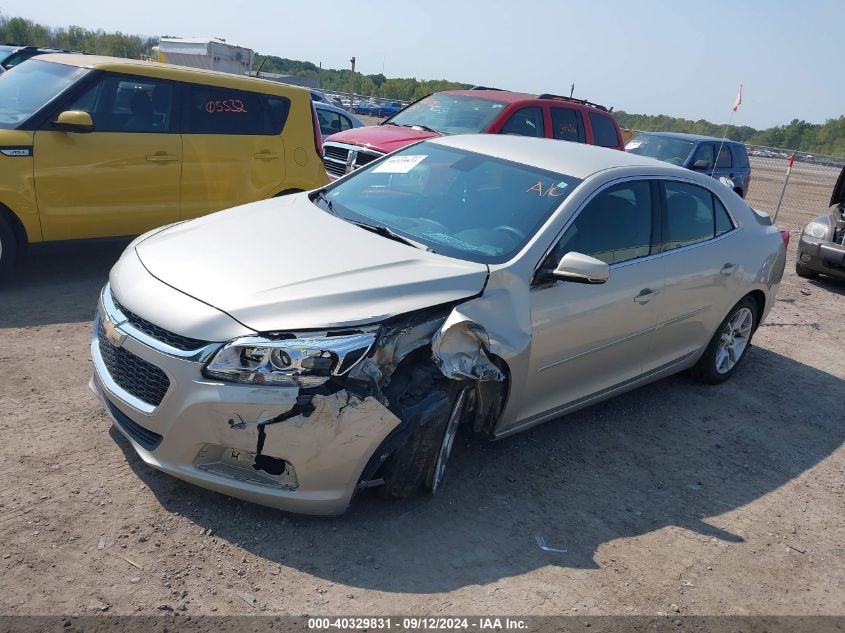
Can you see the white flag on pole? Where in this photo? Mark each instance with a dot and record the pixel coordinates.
(738, 101)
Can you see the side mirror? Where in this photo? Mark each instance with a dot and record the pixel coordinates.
(701, 164)
(582, 268)
(74, 121)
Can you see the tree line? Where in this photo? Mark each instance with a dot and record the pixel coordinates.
(826, 138)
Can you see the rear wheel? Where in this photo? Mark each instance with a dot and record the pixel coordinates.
(802, 271)
(729, 344)
(8, 249)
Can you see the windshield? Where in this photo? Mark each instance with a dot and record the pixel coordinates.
(667, 149)
(454, 202)
(26, 88)
(450, 114)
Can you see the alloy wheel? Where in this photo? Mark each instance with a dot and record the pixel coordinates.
(734, 340)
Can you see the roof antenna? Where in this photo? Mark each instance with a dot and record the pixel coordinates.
(260, 66)
(572, 90)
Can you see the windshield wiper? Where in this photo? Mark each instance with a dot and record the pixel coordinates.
(321, 195)
(381, 229)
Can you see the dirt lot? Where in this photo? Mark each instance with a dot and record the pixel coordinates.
(704, 500)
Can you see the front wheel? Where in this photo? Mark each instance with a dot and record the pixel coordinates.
(729, 344)
(435, 406)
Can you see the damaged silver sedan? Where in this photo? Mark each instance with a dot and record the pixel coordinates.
(294, 351)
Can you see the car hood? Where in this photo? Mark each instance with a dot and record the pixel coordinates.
(838, 196)
(384, 138)
(284, 264)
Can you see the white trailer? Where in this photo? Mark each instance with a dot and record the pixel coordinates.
(208, 53)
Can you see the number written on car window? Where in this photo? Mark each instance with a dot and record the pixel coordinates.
(226, 105)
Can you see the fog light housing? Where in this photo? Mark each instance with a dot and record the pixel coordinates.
(805, 258)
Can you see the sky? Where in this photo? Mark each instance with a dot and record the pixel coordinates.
(643, 56)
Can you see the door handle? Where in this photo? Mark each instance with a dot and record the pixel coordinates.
(266, 156)
(161, 157)
(727, 269)
(646, 295)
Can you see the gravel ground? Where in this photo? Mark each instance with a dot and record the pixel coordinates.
(676, 498)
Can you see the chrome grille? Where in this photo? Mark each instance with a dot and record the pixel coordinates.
(143, 380)
(336, 157)
(178, 341)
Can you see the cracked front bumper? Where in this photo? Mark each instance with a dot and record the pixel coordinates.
(206, 432)
(822, 256)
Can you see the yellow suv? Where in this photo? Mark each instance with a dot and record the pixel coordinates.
(99, 146)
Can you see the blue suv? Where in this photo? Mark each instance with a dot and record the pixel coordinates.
(697, 153)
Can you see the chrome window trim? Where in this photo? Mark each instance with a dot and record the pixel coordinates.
(616, 181)
(123, 325)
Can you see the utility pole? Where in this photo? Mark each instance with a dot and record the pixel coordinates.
(352, 86)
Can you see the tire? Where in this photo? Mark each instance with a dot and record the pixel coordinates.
(8, 249)
(718, 362)
(434, 406)
(803, 271)
(740, 192)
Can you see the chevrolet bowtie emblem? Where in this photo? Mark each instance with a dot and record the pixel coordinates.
(114, 336)
(351, 157)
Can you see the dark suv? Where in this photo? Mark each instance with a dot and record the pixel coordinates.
(473, 111)
(697, 153)
(11, 54)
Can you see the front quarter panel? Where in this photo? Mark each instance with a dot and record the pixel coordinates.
(17, 186)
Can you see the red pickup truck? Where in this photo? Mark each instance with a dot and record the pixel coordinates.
(473, 111)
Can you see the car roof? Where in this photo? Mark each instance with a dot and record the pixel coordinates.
(690, 137)
(572, 159)
(172, 71)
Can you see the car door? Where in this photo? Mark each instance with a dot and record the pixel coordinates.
(121, 178)
(232, 145)
(588, 339)
(701, 270)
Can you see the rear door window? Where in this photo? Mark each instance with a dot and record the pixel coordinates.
(740, 156)
(723, 220)
(689, 215)
(525, 122)
(604, 130)
(567, 124)
(124, 103)
(213, 110)
(332, 122)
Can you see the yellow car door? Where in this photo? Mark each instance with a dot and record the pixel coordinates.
(108, 164)
(233, 151)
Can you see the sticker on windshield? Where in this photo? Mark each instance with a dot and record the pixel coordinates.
(633, 144)
(553, 190)
(399, 164)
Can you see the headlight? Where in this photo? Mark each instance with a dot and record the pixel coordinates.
(293, 362)
(816, 229)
